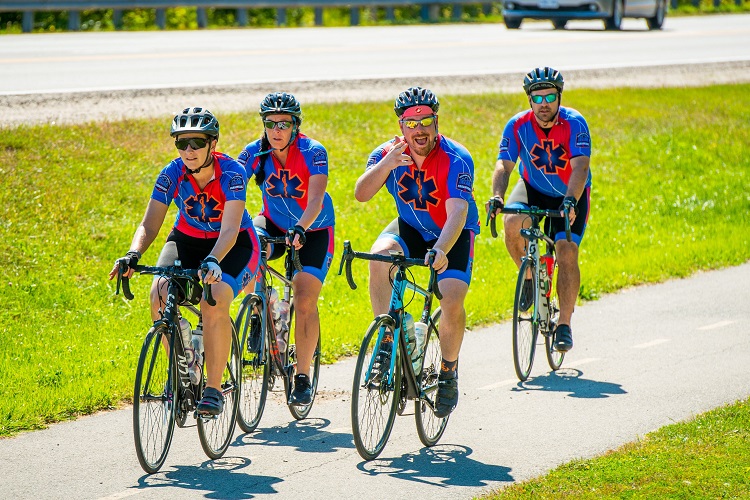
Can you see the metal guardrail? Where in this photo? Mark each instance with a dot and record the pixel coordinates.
(429, 8)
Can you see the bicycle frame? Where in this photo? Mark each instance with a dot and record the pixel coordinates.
(534, 235)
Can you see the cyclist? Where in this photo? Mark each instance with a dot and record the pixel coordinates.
(431, 178)
(553, 145)
(291, 170)
(212, 228)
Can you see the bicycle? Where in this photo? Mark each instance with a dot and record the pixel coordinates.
(262, 360)
(163, 393)
(542, 314)
(381, 388)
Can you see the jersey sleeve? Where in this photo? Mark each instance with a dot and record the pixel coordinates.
(234, 181)
(461, 175)
(580, 138)
(248, 160)
(166, 184)
(508, 147)
(318, 163)
(378, 154)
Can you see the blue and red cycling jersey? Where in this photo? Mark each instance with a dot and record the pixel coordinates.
(200, 211)
(285, 189)
(420, 194)
(545, 158)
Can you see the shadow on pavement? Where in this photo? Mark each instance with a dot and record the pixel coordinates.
(570, 380)
(441, 465)
(307, 435)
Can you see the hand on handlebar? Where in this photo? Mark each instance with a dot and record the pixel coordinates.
(295, 236)
(125, 265)
(571, 205)
(210, 271)
(493, 206)
(440, 260)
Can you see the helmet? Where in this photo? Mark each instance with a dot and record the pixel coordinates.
(543, 78)
(195, 120)
(281, 103)
(415, 96)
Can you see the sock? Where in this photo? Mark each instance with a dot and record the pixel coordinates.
(448, 369)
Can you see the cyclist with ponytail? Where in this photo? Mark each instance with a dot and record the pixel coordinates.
(291, 171)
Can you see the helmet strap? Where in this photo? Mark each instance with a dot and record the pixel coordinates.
(209, 161)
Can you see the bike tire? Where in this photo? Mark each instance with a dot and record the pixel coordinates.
(525, 328)
(154, 402)
(429, 427)
(374, 403)
(554, 357)
(301, 411)
(216, 433)
(255, 365)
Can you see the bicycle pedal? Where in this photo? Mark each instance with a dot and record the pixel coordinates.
(204, 416)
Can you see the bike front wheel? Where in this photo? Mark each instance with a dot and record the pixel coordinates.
(525, 326)
(254, 363)
(374, 396)
(301, 411)
(554, 357)
(429, 427)
(154, 400)
(216, 432)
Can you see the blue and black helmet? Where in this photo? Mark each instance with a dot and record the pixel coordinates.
(281, 103)
(195, 119)
(543, 78)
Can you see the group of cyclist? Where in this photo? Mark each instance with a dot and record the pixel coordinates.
(431, 178)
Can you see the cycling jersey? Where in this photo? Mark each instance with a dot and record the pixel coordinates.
(545, 157)
(285, 189)
(200, 210)
(420, 194)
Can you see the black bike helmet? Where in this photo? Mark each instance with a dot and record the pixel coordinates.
(281, 103)
(415, 96)
(543, 78)
(195, 120)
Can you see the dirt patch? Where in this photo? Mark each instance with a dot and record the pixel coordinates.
(79, 107)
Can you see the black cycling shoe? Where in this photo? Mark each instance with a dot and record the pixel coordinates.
(563, 338)
(212, 402)
(526, 299)
(302, 393)
(447, 397)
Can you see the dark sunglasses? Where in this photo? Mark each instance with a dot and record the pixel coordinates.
(194, 142)
(425, 122)
(283, 125)
(549, 98)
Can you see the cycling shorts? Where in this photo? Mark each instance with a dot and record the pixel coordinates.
(460, 257)
(315, 255)
(525, 196)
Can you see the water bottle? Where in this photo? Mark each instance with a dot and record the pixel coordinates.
(411, 338)
(420, 332)
(282, 324)
(194, 369)
(186, 334)
(546, 268)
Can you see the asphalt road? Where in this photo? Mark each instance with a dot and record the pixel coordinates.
(643, 358)
(34, 63)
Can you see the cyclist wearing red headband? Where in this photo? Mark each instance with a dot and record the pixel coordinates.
(431, 178)
(553, 147)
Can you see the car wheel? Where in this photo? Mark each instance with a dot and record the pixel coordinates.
(559, 24)
(512, 23)
(656, 22)
(614, 22)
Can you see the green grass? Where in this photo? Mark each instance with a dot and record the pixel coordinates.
(707, 457)
(670, 197)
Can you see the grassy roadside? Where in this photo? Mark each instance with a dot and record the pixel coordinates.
(707, 457)
(670, 174)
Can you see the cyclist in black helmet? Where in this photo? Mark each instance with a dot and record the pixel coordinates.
(212, 228)
(553, 145)
(431, 179)
(291, 170)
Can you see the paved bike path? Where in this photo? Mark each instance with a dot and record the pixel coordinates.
(643, 358)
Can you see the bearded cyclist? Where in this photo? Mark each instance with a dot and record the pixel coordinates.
(552, 145)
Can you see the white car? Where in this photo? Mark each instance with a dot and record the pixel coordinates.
(561, 11)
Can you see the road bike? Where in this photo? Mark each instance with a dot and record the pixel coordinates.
(163, 394)
(262, 360)
(389, 370)
(542, 313)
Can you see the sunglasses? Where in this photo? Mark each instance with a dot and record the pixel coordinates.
(194, 142)
(412, 124)
(283, 125)
(549, 98)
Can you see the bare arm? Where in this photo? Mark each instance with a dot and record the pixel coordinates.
(456, 209)
(315, 194)
(373, 179)
(230, 228)
(146, 232)
(577, 181)
(500, 180)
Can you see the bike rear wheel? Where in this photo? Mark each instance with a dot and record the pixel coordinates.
(255, 363)
(373, 398)
(216, 433)
(525, 327)
(154, 401)
(300, 412)
(429, 427)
